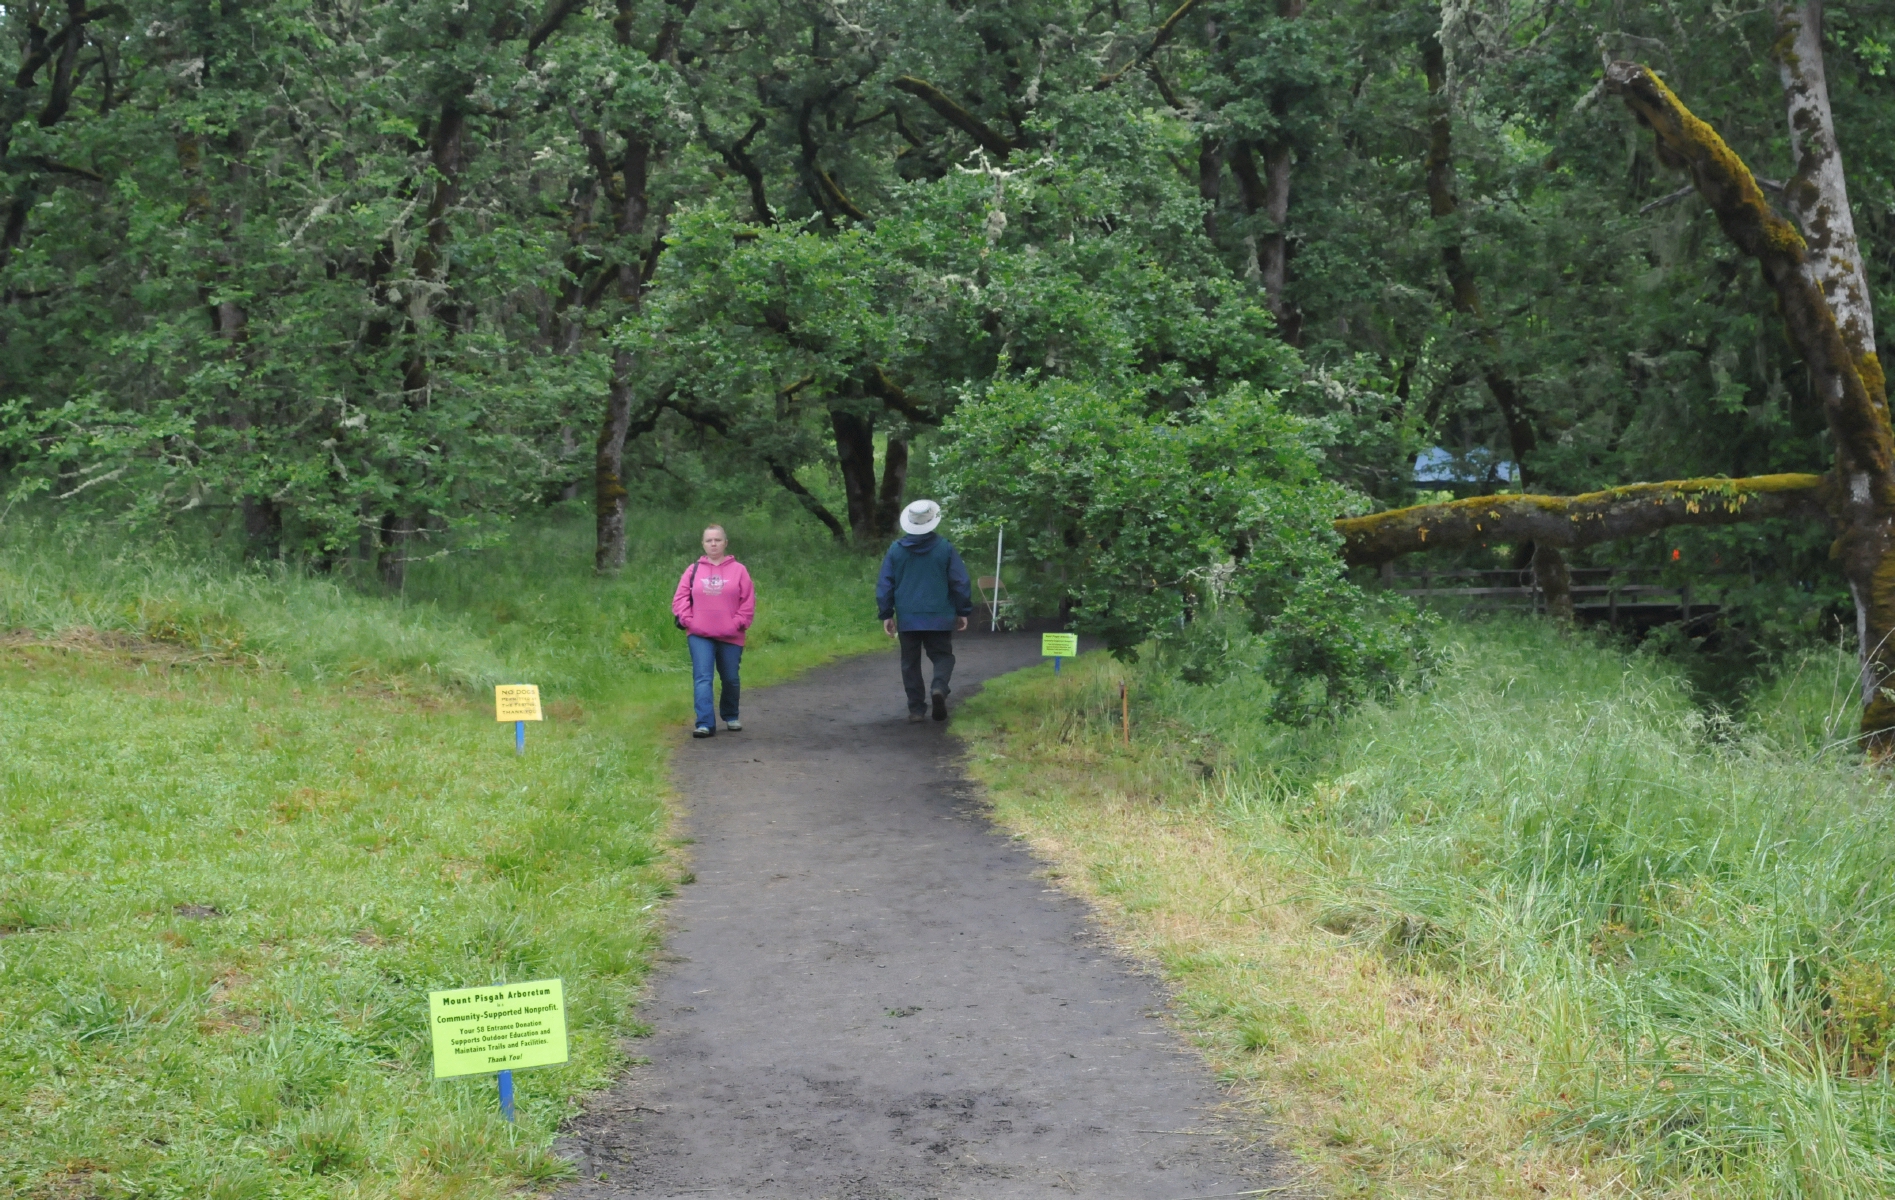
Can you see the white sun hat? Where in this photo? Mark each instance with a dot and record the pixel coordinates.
(920, 517)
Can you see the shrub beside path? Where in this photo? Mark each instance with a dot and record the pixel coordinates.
(873, 993)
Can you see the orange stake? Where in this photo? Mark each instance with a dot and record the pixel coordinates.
(1125, 712)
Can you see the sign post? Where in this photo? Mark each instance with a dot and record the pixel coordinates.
(1057, 646)
(500, 1029)
(519, 703)
(1000, 539)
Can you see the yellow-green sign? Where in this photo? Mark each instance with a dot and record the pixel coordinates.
(1059, 645)
(506, 1027)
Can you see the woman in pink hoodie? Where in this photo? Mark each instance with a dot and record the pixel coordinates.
(714, 604)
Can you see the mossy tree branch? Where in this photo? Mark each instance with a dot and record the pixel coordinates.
(1849, 384)
(955, 115)
(1571, 522)
(1854, 401)
(884, 388)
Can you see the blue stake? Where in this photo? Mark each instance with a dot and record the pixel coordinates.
(506, 1094)
(519, 747)
(1056, 664)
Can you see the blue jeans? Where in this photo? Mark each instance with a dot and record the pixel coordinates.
(725, 656)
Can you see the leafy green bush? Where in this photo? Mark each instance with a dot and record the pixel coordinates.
(1146, 524)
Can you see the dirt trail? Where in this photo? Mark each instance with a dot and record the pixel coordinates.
(873, 995)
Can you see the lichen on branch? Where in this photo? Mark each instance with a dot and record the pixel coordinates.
(1857, 415)
(1570, 522)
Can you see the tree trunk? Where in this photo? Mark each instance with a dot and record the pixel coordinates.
(1210, 180)
(1445, 205)
(1273, 251)
(1817, 194)
(430, 257)
(888, 504)
(631, 189)
(397, 533)
(62, 51)
(1243, 164)
(609, 493)
(1851, 387)
(430, 264)
(1554, 580)
(262, 515)
(608, 469)
(855, 457)
(262, 527)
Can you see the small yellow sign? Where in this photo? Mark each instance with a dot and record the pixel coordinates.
(517, 702)
(1059, 645)
(506, 1027)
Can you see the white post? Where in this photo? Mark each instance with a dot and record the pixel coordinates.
(999, 539)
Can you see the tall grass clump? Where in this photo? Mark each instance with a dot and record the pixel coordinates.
(1695, 911)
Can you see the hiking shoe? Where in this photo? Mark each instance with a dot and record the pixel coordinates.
(917, 718)
(940, 706)
(734, 726)
(701, 731)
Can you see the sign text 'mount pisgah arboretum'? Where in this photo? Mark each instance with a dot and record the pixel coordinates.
(505, 1027)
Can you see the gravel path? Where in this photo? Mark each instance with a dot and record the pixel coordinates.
(873, 995)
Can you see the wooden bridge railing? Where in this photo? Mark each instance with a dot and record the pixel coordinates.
(1599, 593)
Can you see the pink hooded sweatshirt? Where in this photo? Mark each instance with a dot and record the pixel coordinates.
(718, 602)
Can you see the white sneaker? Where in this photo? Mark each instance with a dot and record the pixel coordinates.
(734, 726)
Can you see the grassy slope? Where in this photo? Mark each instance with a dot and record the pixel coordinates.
(1544, 929)
(249, 821)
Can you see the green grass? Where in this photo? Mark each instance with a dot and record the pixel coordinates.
(249, 818)
(1677, 926)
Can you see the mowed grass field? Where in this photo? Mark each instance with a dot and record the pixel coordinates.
(1547, 928)
(248, 819)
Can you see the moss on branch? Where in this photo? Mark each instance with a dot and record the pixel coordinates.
(1851, 389)
(1574, 521)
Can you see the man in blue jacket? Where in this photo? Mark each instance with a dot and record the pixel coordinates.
(924, 599)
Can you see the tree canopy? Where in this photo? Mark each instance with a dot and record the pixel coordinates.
(361, 281)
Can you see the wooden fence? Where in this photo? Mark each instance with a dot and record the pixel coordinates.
(1637, 595)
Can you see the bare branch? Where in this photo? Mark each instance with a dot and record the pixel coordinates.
(1158, 39)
